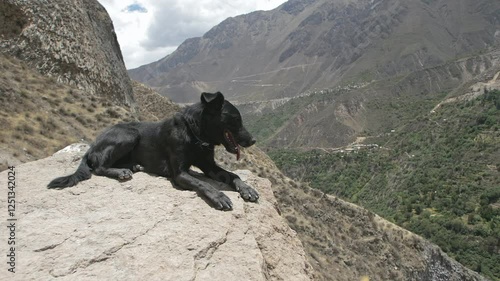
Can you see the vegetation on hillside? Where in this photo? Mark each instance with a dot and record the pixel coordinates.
(438, 176)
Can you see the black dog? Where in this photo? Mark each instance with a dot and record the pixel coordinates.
(169, 148)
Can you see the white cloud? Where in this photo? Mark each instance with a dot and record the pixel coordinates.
(148, 30)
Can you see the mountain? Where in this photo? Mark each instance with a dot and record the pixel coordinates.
(314, 44)
(347, 242)
(72, 41)
(63, 78)
(337, 117)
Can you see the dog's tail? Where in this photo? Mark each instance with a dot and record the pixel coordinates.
(82, 173)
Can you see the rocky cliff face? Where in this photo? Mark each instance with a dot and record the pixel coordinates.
(307, 44)
(72, 41)
(144, 229)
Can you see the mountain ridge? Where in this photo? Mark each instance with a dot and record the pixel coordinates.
(342, 114)
(303, 45)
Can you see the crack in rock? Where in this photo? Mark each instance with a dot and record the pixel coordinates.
(50, 247)
(206, 254)
(107, 254)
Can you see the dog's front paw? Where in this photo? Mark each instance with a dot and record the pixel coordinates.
(220, 201)
(246, 192)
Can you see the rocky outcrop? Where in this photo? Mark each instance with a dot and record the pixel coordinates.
(144, 229)
(72, 41)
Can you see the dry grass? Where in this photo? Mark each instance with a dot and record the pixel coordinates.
(40, 116)
(152, 106)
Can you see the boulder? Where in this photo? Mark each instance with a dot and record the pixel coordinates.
(143, 229)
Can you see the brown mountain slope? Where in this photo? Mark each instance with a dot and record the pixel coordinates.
(307, 44)
(336, 117)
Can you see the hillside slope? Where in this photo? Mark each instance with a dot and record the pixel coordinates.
(335, 117)
(308, 44)
(41, 116)
(437, 175)
(347, 242)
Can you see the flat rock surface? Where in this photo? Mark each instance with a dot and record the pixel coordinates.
(142, 229)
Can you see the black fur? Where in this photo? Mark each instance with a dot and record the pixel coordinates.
(170, 147)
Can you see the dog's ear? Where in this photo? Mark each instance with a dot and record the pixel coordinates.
(214, 101)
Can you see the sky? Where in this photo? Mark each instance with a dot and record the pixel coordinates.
(149, 30)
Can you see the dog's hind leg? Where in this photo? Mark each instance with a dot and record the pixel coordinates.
(128, 164)
(111, 149)
(116, 173)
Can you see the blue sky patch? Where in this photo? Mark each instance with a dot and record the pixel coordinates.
(136, 7)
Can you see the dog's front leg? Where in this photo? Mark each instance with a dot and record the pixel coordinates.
(219, 200)
(217, 173)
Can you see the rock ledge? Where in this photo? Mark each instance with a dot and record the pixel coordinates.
(144, 229)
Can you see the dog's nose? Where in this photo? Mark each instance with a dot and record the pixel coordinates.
(248, 142)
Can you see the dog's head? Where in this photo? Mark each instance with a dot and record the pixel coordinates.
(222, 124)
